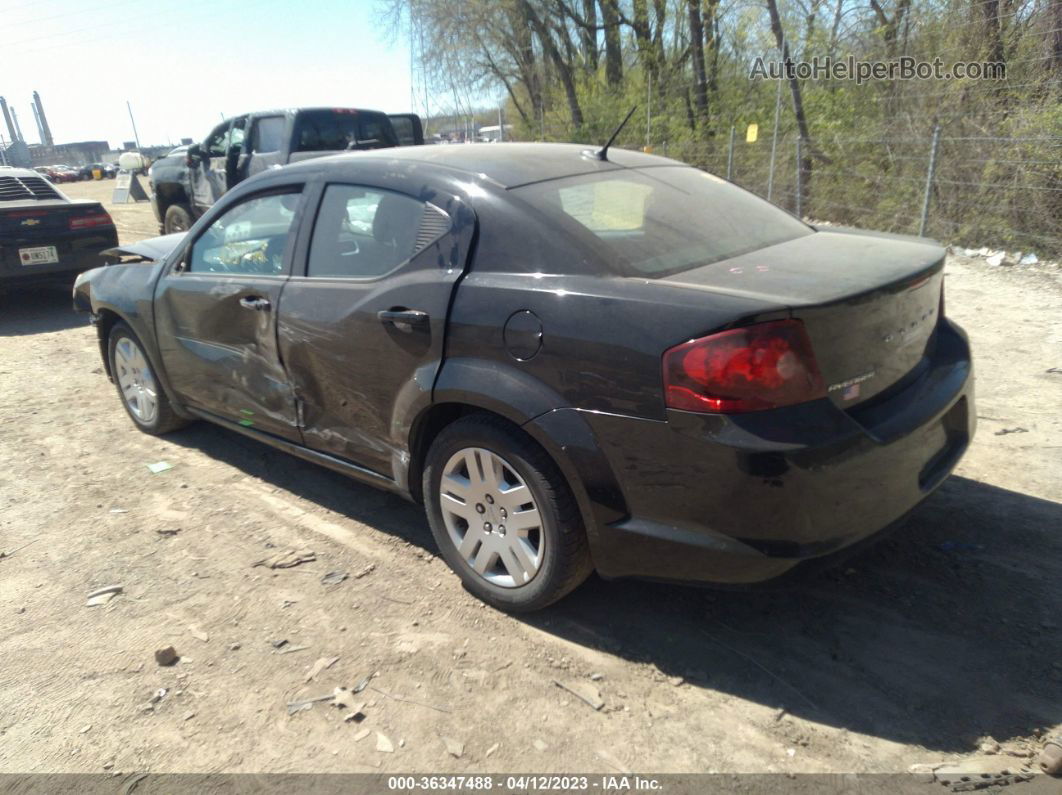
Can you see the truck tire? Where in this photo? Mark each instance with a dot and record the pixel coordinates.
(178, 218)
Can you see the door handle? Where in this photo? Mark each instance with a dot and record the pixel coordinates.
(403, 319)
(255, 302)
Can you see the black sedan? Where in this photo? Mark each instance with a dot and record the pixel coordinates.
(45, 236)
(576, 361)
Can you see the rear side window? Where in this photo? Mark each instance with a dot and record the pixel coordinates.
(339, 129)
(267, 135)
(659, 221)
(363, 233)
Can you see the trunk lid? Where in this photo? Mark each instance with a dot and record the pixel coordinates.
(869, 302)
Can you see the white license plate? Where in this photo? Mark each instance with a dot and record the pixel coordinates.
(41, 255)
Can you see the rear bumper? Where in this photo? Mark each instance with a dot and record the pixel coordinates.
(745, 498)
(77, 252)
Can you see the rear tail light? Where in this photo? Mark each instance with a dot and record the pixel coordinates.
(758, 367)
(98, 218)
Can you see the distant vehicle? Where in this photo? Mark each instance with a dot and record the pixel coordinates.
(88, 172)
(573, 361)
(494, 133)
(44, 235)
(188, 181)
(67, 173)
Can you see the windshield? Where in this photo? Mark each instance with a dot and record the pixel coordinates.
(659, 221)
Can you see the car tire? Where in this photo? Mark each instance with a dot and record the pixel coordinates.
(178, 218)
(545, 544)
(139, 388)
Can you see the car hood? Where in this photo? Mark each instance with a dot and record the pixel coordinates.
(154, 248)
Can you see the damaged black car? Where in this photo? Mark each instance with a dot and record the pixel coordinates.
(575, 361)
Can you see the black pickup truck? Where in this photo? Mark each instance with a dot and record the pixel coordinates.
(188, 181)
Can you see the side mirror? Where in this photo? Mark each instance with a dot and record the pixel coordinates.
(194, 153)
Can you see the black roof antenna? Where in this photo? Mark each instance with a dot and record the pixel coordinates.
(602, 153)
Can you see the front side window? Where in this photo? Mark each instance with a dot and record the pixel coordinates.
(249, 238)
(659, 221)
(363, 233)
(217, 143)
(236, 135)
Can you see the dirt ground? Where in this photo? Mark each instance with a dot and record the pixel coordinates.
(939, 640)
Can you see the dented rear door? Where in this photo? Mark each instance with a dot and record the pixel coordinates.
(361, 328)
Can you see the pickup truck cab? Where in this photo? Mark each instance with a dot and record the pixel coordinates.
(188, 181)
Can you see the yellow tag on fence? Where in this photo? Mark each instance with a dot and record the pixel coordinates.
(752, 133)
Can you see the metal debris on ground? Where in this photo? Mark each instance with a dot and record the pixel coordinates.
(198, 634)
(8, 553)
(276, 644)
(1005, 431)
(168, 533)
(292, 649)
(288, 559)
(334, 578)
(159, 466)
(384, 744)
(102, 596)
(159, 695)
(321, 664)
(588, 694)
(454, 747)
(366, 571)
(166, 656)
(307, 703)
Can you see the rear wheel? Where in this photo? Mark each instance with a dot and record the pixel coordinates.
(178, 218)
(142, 396)
(503, 516)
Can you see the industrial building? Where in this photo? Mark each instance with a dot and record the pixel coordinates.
(15, 151)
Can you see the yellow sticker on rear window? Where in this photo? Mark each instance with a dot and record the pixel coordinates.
(610, 205)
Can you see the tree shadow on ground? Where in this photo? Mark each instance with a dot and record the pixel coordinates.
(942, 632)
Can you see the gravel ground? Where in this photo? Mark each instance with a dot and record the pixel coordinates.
(932, 646)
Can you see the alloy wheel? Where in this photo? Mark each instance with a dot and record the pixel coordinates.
(491, 517)
(136, 381)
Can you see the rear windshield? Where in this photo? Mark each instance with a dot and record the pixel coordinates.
(659, 221)
(340, 129)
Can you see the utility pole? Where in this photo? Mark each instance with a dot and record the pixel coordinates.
(136, 137)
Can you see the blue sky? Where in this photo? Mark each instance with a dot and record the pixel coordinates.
(182, 65)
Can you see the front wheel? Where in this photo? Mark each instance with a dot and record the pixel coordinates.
(142, 396)
(503, 516)
(178, 218)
